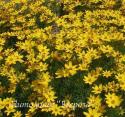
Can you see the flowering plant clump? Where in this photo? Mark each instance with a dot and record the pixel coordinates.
(56, 55)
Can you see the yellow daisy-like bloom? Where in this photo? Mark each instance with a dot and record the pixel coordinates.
(13, 58)
(17, 114)
(111, 86)
(9, 109)
(97, 89)
(94, 101)
(107, 74)
(120, 77)
(2, 105)
(113, 100)
(56, 110)
(121, 80)
(122, 85)
(89, 79)
(92, 113)
(71, 69)
(66, 108)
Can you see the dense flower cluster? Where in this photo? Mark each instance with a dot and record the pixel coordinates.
(70, 50)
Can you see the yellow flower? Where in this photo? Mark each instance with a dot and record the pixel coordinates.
(33, 107)
(9, 109)
(49, 95)
(83, 66)
(92, 113)
(2, 41)
(13, 58)
(56, 110)
(26, 45)
(97, 89)
(66, 108)
(120, 77)
(106, 49)
(43, 52)
(121, 80)
(94, 101)
(122, 85)
(113, 100)
(17, 114)
(61, 73)
(89, 79)
(111, 86)
(2, 105)
(107, 74)
(71, 69)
